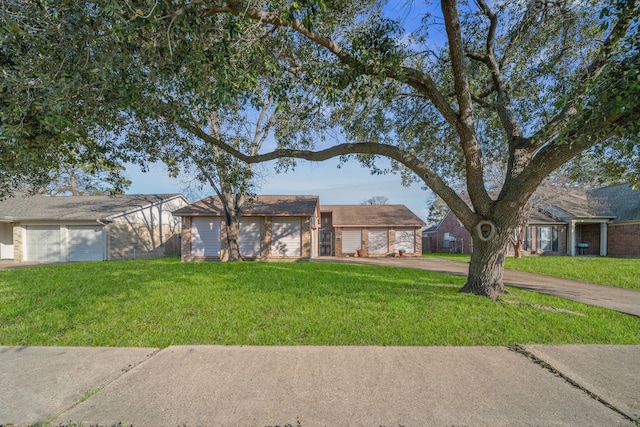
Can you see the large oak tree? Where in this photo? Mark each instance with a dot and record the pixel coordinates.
(526, 85)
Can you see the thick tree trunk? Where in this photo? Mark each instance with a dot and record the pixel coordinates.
(486, 267)
(233, 233)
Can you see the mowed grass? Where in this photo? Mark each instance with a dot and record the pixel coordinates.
(618, 272)
(164, 302)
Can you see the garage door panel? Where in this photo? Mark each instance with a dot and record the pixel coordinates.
(250, 237)
(378, 240)
(205, 237)
(405, 239)
(286, 237)
(351, 240)
(44, 244)
(86, 243)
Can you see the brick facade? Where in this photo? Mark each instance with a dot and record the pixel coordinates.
(624, 240)
(130, 241)
(18, 245)
(391, 239)
(450, 227)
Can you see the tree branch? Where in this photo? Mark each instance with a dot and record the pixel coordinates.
(597, 66)
(428, 175)
(466, 129)
(505, 113)
(421, 82)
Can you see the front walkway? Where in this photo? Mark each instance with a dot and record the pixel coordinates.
(623, 300)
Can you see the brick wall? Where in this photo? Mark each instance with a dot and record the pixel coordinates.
(623, 240)
(18, 245)
(590, 234)
(185, 253)
(129, 241)
(451, 225)
(306, 237)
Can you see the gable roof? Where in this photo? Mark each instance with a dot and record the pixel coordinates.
(47, 208)
(372, 216)
(256, 206)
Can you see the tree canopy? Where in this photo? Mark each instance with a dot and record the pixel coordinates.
(522, 86)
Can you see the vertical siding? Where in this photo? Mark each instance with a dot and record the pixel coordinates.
(250, 237)
(286, 237)
(205, 237)
(351, 240)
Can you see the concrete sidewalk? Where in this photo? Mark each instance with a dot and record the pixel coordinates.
(321, 386)
(623, 300)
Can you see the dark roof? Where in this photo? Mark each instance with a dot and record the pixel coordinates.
(541, 217)
(431, 229)
(579, 204)
(46, 208)
(256, 206)
(623, 201)
(372, 216)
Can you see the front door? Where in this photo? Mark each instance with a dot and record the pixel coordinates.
(326, 242)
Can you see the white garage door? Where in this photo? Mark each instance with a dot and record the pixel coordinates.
(286, 237)
(44, 244)
(351, 240)
(378, 240)
(405, 239)
(249, 237)
(205, 237)
(86, 243)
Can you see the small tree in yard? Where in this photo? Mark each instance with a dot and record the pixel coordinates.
(231, 180)
(528, 85)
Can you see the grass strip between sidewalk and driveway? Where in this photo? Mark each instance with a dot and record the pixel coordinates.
(617, 272)
(162, 302)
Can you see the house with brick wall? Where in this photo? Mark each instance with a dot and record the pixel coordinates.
(89, 228)
(271, 227)
(600, 222)
(369, 230)
(298, 228)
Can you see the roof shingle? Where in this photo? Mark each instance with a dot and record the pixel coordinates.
(372, 216)
(256, 206)
(46, 208)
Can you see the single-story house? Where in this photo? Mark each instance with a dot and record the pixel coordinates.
(271, 227)
(448, 236)
(369, 230)
(89, 228)
(604, 222)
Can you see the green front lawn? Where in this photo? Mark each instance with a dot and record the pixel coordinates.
(618, 272)
(165, 302)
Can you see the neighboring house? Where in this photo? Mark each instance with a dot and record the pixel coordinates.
(369, 230)
(604, 222)
(271, 227)
(623, 232)
(449, 236)
(89, 228)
